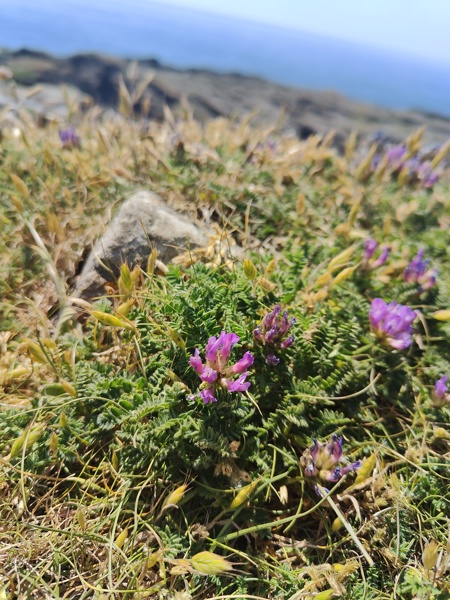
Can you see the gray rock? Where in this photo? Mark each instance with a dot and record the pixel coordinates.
(46, 100)
(143, 222)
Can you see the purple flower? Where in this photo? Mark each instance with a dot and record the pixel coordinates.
(440, 387)
(215, 373)
(272, 333)
(272, 360)
(370, 246)
(239, 385)
(243, 364)
(417, 272)
(392, 323)
(68, 137)
(321, 461)
(440, 392)
(384, 255)
(412, 168)
(395, 157)
(427, 175)
(429, 279)
(416, 268)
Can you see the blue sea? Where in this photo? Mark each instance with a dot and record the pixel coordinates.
(186, 38)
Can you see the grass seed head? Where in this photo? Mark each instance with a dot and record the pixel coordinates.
(209, 563)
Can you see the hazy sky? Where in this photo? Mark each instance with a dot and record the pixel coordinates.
(420, 27)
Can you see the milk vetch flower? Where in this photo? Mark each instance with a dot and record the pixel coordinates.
(321, 462)
(69, 138)
(272, 333)
(215, 373)
(417, 271)
(441, 395)
(370, 246)
(392, 323)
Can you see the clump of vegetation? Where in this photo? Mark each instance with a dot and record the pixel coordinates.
(272, 425)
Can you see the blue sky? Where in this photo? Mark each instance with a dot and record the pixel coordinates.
(416, 27)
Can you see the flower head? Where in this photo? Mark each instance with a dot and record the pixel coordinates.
(69, 138)
(392, 323)
(440, 392)
(396, 156)
(215, 373)
(427, 175)
(272, 333)
(370, 247)
(411, 169)
(321, 462)
(384, 255)
(417, 272)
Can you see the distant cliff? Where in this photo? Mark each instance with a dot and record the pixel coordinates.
(211, 95)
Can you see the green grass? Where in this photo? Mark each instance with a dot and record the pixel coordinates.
(113, 481)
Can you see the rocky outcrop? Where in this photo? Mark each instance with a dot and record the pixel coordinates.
(48, 101)
(143, 222)
(210, 94)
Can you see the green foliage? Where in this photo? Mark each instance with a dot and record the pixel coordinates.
(111, 423)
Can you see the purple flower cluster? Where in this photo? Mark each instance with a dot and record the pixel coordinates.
(272, 333)
(69, 138)
(413, 168)
(396, 157)
(321, 461)
(215, 373)
(392, 322)
(417, 272)
(440, 392)
(370, 246)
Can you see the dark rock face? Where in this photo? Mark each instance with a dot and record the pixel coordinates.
(143, 222)
(212, 95)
